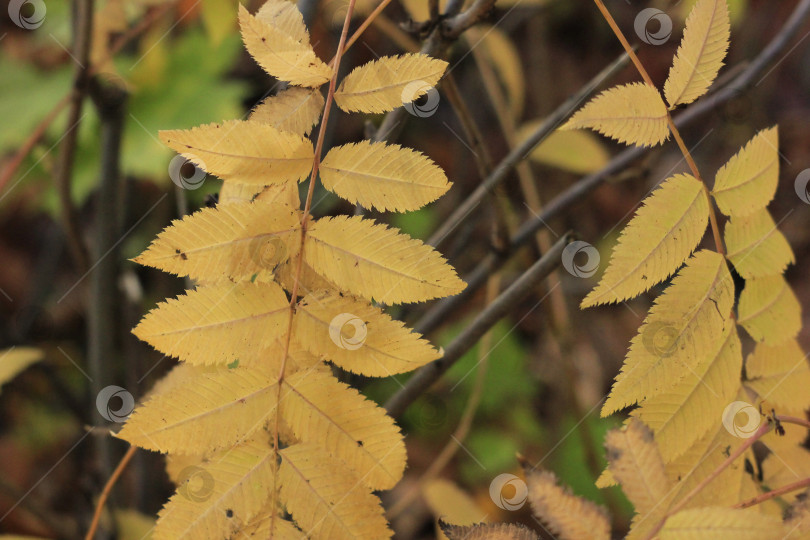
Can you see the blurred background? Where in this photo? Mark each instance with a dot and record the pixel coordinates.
(85, 186)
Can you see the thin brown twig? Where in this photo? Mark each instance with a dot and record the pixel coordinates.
(330, 96)
(107, 489)
(761, 498)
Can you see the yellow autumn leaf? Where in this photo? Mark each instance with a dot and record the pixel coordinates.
(209, 412)
(755, 246)
(295, 110)
(383, 176)
(717, 523)
(747, 182)
(780, 375)
(358, 337)
(563, 513)
(15, 360)
(631, 113)
(244, 151)
(769, 310)
(281, 54)
(217, 324)
(320, 409)
(681, 328)
(327, 500)
(579, 152)
(487, 531)
(682, 415)
(504, 58)
(377, 262)
(237, 484)
(700, 54)
(239, 241)
(388, 82)
(285, 17)
(655, 243)
(635, 461)
(451, 504)
(308, 281)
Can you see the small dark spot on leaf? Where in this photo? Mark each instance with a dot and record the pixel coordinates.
(229, 513)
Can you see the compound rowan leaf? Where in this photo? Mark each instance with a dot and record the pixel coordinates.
(635, 461)
(295, 110)
(487, 531)
(631, 113)
(236, 489)
(780, 375)
(682, 415)
(358, 432)
(717, 523)
(389, 82)
(325, 499)
(681, 329)
(280, 54)
(377, 262)
(701, 53)
(239, 241)
(15, 360)
(769, 310)
(210, 411)
(358, 337)
(217, 324)
(565, 514)
(755, 246)
(747, 182)
(383, 176)
(244, 151)
(656, 241)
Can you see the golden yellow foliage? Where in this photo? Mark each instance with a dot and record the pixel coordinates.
(295, 110)
(377, 262)
(388, 82)
(701, 53)
(632, 114)
(660, 237)
(383, 176)
(244, 151)
(755, 246)
(747, 182)
(280, 53)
